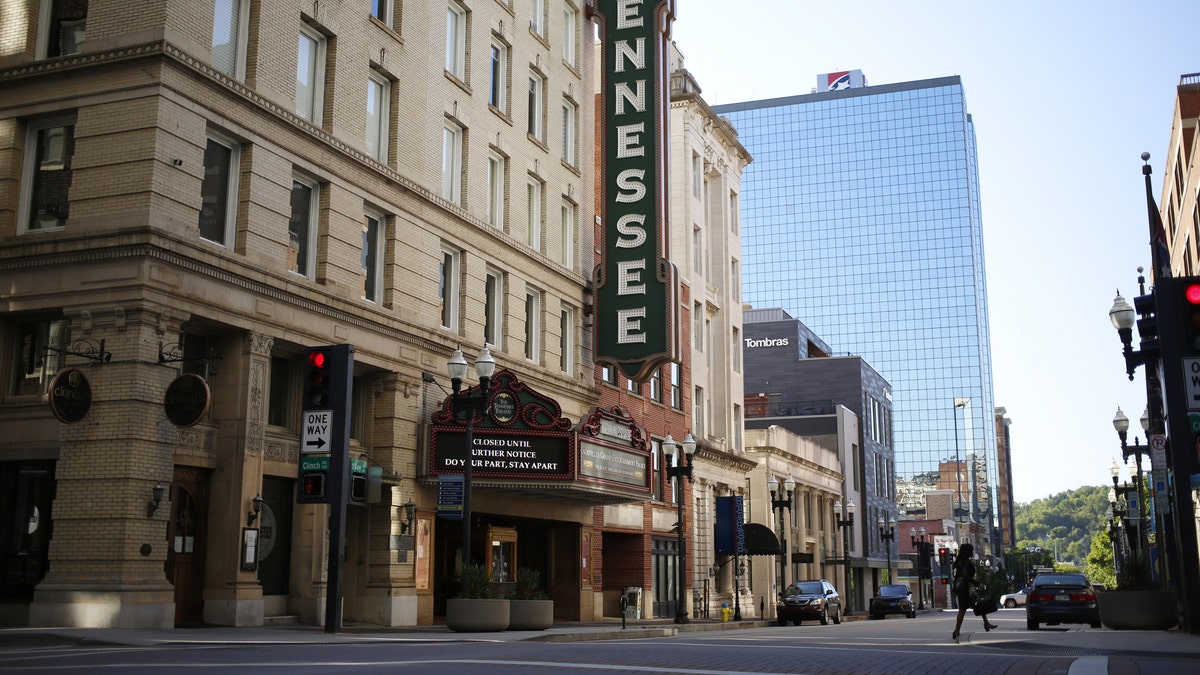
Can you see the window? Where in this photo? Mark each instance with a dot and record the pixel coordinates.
(698, 413)
(536, 87)
(382, 10)
(452, 162)
(372, 249)
(379, 93)
(533, 223)
(218, 190)
(493, 308)
(676, 386)
(32, 366)
(698, 327)
(737, 427)
(570, 18)
(533, 326)
(656, 469)
(537, 16)
(46, 175)
(733, 213)
(608, 374)
(568, 234)
(634, 388)
(566, 340)
(448, 288)
(735, 279)
(498, 78)
(310, 75)
(568, 137)
(230, 18)
(735, 348)
(697, 175)
(656, 388)
(697, 250)
(456, 41)
(302, 229)
(497, 171)
(279, 404)
(63, 26)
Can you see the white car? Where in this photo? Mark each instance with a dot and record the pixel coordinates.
(1013, 599)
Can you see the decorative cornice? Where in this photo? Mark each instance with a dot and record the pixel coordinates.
(56, 66)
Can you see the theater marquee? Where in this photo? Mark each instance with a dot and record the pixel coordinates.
(637, 308)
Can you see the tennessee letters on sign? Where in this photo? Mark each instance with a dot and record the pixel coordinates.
(636, 297)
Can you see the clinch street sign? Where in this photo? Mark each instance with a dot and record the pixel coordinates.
(637, 308)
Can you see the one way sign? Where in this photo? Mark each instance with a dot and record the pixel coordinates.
(317, 429)
(1191, 382)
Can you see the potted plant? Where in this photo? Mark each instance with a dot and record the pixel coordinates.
(1136, 604)
(478, 606)
(530, 608)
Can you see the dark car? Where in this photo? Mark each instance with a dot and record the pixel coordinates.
(892, 599)
(809, 601)
(1061, 597)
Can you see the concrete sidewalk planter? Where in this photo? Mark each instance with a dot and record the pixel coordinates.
(530, 609)
(1138, 610)
(477, 607)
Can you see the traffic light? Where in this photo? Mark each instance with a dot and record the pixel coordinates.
(312, 487)
(317, 378)
(944, 564)
(1147, 324)
(1189, 291)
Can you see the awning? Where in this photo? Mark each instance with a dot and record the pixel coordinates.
(760, 540)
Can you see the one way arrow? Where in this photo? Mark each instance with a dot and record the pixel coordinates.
(319, 442)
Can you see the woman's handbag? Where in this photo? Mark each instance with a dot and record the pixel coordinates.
(984, 605)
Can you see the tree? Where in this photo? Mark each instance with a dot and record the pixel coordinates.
(1100, 568)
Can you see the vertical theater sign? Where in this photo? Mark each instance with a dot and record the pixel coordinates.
(637, 308)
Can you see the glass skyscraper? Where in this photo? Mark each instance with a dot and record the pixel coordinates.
(861, 217)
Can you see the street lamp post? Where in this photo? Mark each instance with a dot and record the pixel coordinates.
(958, 470)
(844, 513)
(918, 542)
(783, 502)
(1121, 424)
(887, 534)
(1119, 492)
(680, 468)
(472, 405)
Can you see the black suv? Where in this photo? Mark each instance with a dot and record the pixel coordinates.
(892, 599)
(809, 601)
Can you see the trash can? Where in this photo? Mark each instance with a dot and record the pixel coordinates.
(633, 597)
(726, 613)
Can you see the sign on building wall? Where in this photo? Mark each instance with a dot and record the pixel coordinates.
(636, 302)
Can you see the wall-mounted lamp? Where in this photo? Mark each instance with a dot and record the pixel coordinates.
(156, 497)
(410, 512)
(252, 516)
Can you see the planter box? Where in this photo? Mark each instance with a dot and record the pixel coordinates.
(1138, 610)
(530, 614)
(477, 615)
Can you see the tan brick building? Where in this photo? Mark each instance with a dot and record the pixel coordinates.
(212, 187)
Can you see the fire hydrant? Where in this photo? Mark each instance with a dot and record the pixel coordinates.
(726, 613)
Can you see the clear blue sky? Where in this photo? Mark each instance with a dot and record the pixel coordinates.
(1065, 97)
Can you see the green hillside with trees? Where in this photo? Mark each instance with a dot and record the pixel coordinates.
(1063, 524)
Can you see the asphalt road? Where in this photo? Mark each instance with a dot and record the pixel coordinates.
(896, 645)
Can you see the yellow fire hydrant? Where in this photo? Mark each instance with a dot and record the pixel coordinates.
(726, 613)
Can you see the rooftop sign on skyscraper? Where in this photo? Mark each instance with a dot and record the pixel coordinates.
(637, 312)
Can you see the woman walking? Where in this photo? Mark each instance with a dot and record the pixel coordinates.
(964, 582)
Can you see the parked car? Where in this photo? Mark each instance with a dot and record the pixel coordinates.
(892, 599)
(1011, 600)
(809, 601)
(1061, 597)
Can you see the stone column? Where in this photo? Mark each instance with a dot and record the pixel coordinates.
(233, 596)
(108, 550)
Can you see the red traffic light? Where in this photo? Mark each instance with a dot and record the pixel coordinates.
(317, 359)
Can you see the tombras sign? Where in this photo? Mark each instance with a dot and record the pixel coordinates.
(637, 308)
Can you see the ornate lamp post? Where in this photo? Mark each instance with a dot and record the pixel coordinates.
(887, 534)
(473, 405)
(680, 468)
(1121, 424)
(1119, 492)
(783, 502)
(918, 542)
(959, 403)
(845, 520)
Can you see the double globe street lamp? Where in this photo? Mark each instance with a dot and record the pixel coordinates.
(887, 534)
(473, 405)
(680, 468)
(844, 514)
(922, 562)
(783, 502)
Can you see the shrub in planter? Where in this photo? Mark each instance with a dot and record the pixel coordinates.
(530, 608)
(1136, 604)
(478, 606)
